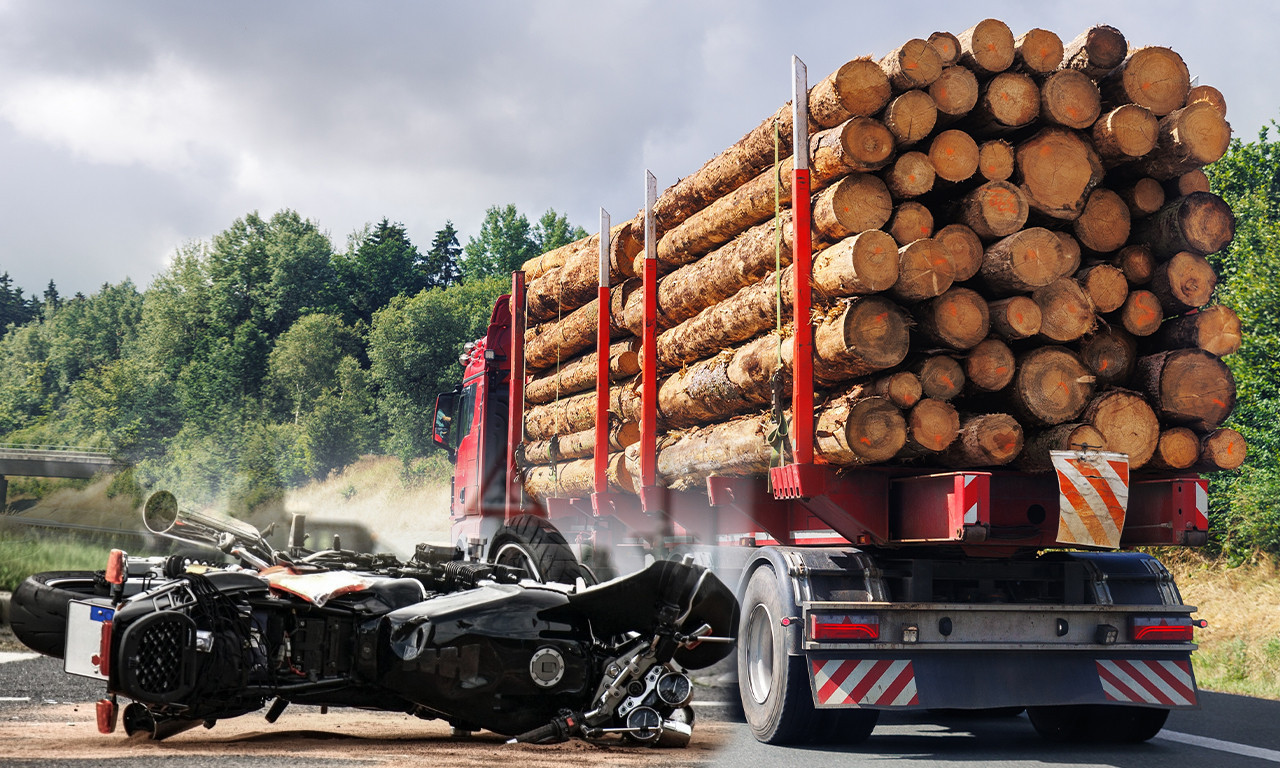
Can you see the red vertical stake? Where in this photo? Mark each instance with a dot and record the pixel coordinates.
(649, 345)
(802, 375)
(515, 396)
(602, 362)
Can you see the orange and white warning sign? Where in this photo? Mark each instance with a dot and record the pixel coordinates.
(1093, 495)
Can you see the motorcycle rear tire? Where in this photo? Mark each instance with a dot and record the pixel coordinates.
(38, 609)
(532, 543)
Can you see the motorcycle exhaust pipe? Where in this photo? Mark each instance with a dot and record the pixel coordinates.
(136, 718)
(162, 516)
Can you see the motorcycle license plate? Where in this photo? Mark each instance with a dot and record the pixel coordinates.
(84, 649)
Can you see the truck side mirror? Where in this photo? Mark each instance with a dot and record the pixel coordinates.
(442, 421)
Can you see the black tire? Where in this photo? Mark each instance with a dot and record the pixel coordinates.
(774, 687)
(1097, 723)
(38, 609)
(532, 543)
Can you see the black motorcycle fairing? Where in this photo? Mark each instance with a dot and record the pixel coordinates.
(471, 654)
(636, 602)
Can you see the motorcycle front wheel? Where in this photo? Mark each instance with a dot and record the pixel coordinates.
(532, 543)
(38, 610)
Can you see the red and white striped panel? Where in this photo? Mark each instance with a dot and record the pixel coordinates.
(1094, 493)
(1168, 683)
(865, 682)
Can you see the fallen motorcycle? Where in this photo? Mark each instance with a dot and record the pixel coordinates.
(480, 645)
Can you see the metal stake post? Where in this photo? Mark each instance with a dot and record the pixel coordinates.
(602, 362)
(515, 397)
(650, 495)
(802, 381)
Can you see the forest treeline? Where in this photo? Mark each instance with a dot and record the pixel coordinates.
(264, 357)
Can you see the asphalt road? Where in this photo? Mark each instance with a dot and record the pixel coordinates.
(1228, 731)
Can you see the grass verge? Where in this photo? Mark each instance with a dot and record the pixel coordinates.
(22, 554)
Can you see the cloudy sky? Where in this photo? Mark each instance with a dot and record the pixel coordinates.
(129, 128)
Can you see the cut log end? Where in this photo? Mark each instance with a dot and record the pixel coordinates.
(1038, 51)
(1065, 310)
(995, 160)
(958, 319)
(864, 263)
(986, 440)
(932, 425)
(1103, 225)
(955, 92)
(1188, 386)
(910, 117)
(854, 204)
(1141, 313)
(1110, 354)
(994, 210)
(987, 47)
(989, 366)
(1070, 99)
(963, 249)
(947, 46)
(1154, 77)
(1056, 170)
(941, 377)
(924, 271)
(1017, 317)
(1023, 261)
(1222, 449)
(911, 175)
(953, 155)
(1052, 385)
(1105, 286)
(914, 64)
(911, 222)
(1176, 448)
(1127, 423)
(1096, 51)
(1214, 329)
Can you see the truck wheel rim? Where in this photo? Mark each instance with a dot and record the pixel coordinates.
(760, 654)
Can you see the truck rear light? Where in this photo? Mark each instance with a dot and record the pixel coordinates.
(1161, 629)
(843, 627)
(116, 567)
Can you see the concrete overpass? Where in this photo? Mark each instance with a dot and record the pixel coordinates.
(51, 461)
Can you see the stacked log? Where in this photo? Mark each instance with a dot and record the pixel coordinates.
(1010, 236)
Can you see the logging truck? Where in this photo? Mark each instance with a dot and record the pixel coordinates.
(929, 494)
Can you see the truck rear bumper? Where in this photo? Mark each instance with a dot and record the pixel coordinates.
(981, 680)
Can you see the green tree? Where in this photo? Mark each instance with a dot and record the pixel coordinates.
(15, 309)
(304, 363)
(504, 243)
(554, 230)
(441, 266)
(384, 264)
(1246, 504)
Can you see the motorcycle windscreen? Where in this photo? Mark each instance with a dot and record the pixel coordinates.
(632, 604)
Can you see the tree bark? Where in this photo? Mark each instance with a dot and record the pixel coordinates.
(989, 366)
(1105, 286)
(1035, 455)
(1017, 317)
(923, 271)
(955, 93)
(579, 375)
(858, 144)
(577, 413)
(1110, 355)
(911, 221)
(1144, 197)
(910, 117)
(573, 283)
(1071, 254)
(1189, 139)
(854, 204)
(994, 210)
(1200, 222)
(1096, 51)
(1187, 386)
(1183, 283)
(1056, 170)
(1141, 313)
(1214, 329)
(561, 341)
(1037, 51)
(987, 47)
(914, 64)
(1070, 99)
(1176, 448)
(963, 249)
(941, 376)
(1022, 262)
(575, 478)
(578, 445)
(1222, 449)
(1153, 77)
(859, 88)
(1066, 313)
(1103, 226)
(995, 160)
(911, 175)
(1126, 133)
(1127, 423)
(990, 439)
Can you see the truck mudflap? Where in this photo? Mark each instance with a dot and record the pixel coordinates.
(983, 680)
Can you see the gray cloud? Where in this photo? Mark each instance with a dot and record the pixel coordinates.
(127, 128)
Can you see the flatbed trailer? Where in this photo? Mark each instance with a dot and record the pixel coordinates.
(875, 588)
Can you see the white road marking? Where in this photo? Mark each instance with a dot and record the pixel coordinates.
(15, 698)
(1231, 747)
(7, 656)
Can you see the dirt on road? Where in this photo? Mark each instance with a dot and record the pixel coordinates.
(68, 732)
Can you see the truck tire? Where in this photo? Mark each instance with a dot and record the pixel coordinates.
(774, 686)
(532, 543)
(38, 609)
(1097, 723)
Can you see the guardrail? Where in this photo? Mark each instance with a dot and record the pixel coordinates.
(68, 452)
